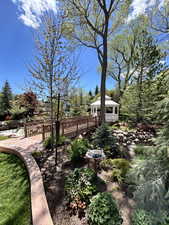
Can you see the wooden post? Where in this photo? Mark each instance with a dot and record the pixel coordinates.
(43, 132)
(62, 129)
(77, 128)
(57, 129)
(87, 124)
(96, 121)
(25, 130)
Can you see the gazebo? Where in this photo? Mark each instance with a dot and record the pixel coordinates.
(112, 109)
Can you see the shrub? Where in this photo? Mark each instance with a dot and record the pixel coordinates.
(37, 154)
(151, 185)
(141, 217)
(11, 124)
(80, 187)
(17, 112)
(144, 151)
(119, 168)
(103, 210)
(48, 142)
(62, 140)
(78, 149)
(104, 138)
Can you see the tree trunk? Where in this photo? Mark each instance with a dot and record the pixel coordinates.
(140, 103)
(51, 108)
(103, 92)
(104, 72)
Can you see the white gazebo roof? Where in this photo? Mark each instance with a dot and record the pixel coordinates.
(108, 102)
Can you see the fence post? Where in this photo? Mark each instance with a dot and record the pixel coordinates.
(25, 130)
(43, 132)
(87, 124)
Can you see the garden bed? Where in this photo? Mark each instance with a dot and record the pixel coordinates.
(110, 178)
(15, 204)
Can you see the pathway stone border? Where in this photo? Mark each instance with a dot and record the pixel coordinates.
(40, 209)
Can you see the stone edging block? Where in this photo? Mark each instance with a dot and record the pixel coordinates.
(40, 209)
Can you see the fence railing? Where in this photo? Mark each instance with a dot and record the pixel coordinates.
(69, 127)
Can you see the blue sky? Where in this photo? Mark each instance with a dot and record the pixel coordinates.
(18, 20)
(17, 51)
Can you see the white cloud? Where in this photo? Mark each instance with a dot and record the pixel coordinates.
(140, 6)
(32, 10)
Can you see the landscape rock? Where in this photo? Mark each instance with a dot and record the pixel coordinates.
(134, 137)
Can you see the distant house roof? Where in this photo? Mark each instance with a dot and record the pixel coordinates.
(108, 102)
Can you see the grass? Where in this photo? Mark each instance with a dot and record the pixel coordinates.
(15, 206)
(3, 138)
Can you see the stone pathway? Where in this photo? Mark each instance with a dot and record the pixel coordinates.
(28, 144)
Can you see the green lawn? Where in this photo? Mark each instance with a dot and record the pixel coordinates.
(14, 192)
(3, 138)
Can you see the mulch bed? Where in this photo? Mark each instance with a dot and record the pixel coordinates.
(54, 188)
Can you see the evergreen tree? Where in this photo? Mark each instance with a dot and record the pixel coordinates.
(96, 90)
(148, 61)
(6, 98)
(90, 94)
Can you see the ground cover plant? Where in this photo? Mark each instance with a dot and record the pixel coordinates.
(80, 186)
(15, 206)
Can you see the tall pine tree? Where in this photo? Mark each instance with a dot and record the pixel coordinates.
(148, 59)
(96, 90)
(6, 98)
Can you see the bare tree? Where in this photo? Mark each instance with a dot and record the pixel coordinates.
(54, 69)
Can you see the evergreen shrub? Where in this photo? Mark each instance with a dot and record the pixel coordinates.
(103, 138)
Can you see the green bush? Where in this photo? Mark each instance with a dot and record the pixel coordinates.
(119, 168)
(104, 139)
(141, 217)
(103, 136)
(78, 150)
(62, 140)
(103, 210)
(17, 112)
(48, 142)
(80, 187)
(37, 154)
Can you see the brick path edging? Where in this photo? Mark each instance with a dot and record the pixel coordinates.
(39, 205)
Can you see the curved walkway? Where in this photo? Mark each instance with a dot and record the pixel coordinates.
(25, 143)
(40, 210)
